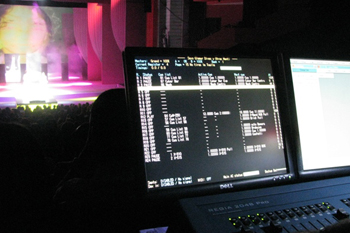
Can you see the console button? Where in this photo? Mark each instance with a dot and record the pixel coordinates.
(306, 210)
(341, 214)
(273, 228)
(235, 222)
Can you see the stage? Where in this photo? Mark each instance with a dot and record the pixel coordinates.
(54, 93)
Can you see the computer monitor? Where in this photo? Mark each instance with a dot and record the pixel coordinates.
(320, 97)
(205, 121)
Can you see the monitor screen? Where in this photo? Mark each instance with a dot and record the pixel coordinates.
(321, 104)
(205, 119)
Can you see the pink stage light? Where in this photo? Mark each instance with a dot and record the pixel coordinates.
(74, 78)
(70, 84)
(54, 78)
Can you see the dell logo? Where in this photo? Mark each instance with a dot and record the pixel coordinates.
(226, 186)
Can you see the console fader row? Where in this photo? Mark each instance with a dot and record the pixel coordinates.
(296, 219)
(290, 208)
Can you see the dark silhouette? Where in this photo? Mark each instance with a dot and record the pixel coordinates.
(25, 196)
(98, 191)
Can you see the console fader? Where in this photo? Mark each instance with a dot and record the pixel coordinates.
(290, 208)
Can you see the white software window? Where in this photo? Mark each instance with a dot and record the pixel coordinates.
(322, 96)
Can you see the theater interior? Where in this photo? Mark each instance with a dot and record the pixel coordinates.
(183, 116)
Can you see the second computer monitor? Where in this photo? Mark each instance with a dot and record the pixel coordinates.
(320, 100)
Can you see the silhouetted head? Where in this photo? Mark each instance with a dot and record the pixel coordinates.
(22, 172)
(109, 123)
(18, 142)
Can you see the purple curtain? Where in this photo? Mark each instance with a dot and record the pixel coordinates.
(81, 31)
(95, 27)
(118, 20)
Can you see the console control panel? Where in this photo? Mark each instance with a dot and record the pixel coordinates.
(290, 208)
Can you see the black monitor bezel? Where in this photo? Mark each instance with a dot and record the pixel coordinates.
(315, 174)
(214, 188)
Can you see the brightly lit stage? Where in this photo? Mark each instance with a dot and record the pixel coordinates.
(56, 93)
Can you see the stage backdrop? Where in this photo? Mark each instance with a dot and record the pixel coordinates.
(37, 44)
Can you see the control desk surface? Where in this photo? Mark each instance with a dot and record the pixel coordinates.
(289, 208)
